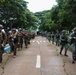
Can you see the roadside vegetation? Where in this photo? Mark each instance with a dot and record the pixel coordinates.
(15, 13)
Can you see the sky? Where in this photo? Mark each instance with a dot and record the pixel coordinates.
(40, 5)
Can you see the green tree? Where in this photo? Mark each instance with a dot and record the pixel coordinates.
(14, 9)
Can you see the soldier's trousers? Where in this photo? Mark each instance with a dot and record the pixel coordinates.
(73, 46)
(13, 49)
(26, 43)
(57, 42)
(52, 40)
(20, 45)
(0, 57)
(62, 47)
(1, 52)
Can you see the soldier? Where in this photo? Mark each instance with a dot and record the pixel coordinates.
(57, 39)
(29, 37)
(20, 38)
(64, 42)
(49, 36)
(13, 40)
(26, 38)
(73, 45)
(52, 37)
(2, 43)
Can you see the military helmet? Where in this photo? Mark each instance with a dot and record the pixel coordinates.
(74, 29)
(13, 29)
(20, 29)
(63, 31)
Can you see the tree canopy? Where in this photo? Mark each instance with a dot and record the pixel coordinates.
(61, 16)
(14, 13)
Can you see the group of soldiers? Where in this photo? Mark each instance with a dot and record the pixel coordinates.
(71, 40)
(15, 39)
(64, 41)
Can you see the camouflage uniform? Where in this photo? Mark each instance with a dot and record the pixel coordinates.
(57, 39)
(2, 43)
(64, 42)
(73, 45)
(52, 37)
(26, 39)
(20, 38)
(29, 38)
(13, 40)
(49, 36)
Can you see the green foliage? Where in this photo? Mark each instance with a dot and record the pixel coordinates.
(1, 1)
(15, 12)
(62, 16)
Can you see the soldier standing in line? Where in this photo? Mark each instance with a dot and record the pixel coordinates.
(13, 40)
(49, 36)
(64, 42)
(52, 37)
(25, 38)
(2, 43)
(73, 45)
(29, 37)
(57, 36)
(20, 38)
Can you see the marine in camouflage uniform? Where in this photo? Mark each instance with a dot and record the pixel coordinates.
(20, 38)
(64, 42)
(26, 38)
(29, 37)
(2, 43)
(13, 40)
(57, 36)
(49, 36)
(52, 37)
(73, 45)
